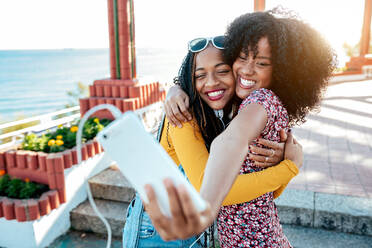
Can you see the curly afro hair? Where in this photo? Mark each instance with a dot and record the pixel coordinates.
(302, 60)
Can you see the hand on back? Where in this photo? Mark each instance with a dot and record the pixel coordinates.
(293, 151)
(270, 156)
(176, 106)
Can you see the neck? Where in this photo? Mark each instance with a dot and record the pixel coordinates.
(227, 109)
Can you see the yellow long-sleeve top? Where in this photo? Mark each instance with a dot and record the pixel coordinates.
(186, 147)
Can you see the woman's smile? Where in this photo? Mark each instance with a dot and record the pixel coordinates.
(253, 71)
(246, 83)
(215, 95)
(214, 80)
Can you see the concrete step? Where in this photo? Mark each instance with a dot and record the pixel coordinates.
(110, 184)
(334, 212)
(83, 218)
(304, 237)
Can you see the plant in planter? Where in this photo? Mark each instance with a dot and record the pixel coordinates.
(4, 182)
(32, 190)
(64, 137)
(32, 142)
(18, 189)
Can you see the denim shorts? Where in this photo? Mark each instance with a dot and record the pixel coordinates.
(140, 233)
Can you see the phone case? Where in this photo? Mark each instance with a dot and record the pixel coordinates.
(142, 160)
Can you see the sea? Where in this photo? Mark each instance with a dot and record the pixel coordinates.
(34, 82)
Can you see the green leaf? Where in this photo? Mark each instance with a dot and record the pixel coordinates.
(14, 188)
(4, 184)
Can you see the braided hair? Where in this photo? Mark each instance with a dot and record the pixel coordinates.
(209, 125)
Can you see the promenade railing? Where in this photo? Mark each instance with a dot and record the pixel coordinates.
(150, 116)
(36, 124)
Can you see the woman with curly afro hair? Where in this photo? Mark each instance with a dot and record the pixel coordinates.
(281, 66)
(301, 60)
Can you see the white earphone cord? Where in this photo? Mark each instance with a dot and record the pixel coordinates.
(116, 113)
(201, 235)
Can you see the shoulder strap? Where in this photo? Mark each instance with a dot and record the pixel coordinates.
(160, 129)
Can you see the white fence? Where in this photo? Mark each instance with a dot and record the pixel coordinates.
(43, 122)
(150, 116)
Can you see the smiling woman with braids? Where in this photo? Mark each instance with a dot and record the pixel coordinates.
(210, 85)
(281, 66)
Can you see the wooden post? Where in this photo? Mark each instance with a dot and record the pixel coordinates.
(113, 68)
(259, 5)
(366, 30)
(132, 44)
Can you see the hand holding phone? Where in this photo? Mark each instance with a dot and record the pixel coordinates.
(142, 160)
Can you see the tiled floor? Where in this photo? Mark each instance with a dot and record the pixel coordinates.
(337, 143)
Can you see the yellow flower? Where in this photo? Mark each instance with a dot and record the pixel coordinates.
(27, 180)
(2, 173)
(96, 120)
(59, 142)
(60, 126)
(59, 137)
(74, 129)
(51, 142)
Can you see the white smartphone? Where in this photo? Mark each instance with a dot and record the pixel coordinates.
(142, 160)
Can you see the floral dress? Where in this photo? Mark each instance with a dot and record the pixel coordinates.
(256, 223)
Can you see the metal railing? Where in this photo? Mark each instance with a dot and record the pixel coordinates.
(63, 117)
(43, 122)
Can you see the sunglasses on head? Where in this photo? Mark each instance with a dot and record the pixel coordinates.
(199, 44)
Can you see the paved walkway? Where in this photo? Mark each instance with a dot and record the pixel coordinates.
(300, 237)
(337, 143)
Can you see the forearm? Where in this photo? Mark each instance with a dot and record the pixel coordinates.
(279, 191)
(252, 185)
(225, 160)
(228, 152)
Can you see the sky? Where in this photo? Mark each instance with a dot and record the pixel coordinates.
(50, 24)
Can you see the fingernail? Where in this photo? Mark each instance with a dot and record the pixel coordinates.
(147, 188)
(181, 188)
(189, 118)
(167, 182)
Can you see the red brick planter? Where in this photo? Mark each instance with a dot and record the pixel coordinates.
(124, 94)
(42, 168)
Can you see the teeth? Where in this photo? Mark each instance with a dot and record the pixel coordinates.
(215, 93)
(247, 83)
